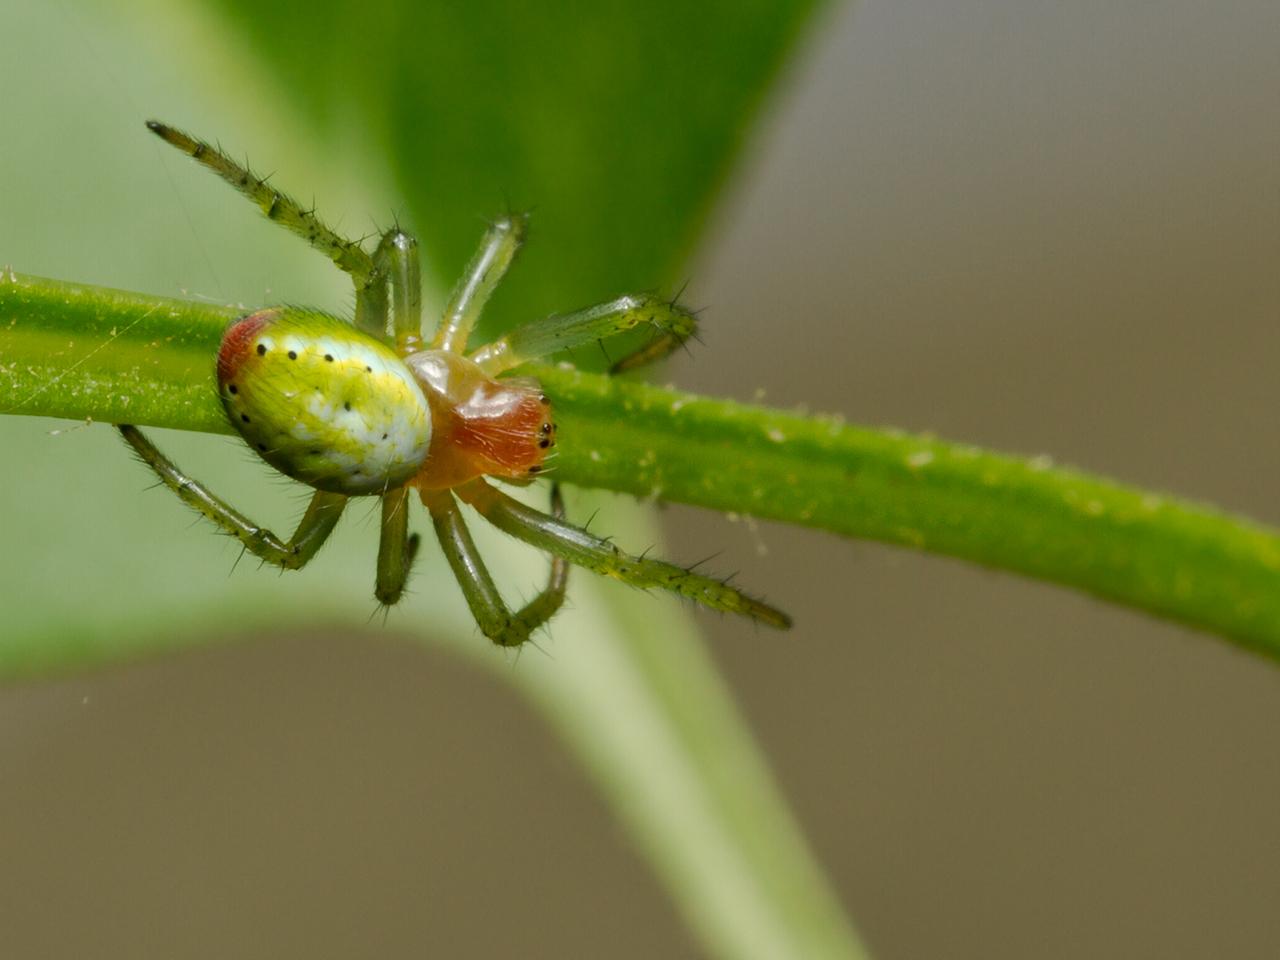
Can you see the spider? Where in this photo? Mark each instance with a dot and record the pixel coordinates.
(372, 408)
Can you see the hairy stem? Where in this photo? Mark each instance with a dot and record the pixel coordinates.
(89, 353)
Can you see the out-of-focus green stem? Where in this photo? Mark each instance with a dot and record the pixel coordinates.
(87, 353)
(90, 353)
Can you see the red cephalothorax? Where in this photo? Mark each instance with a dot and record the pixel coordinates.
(480, 426)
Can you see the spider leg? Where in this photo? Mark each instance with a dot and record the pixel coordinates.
(576, 545)
(673, 323)
(313, 529)
(396, 259)
(396, 548)
(483, 274)
(280, 208)
(496, 620)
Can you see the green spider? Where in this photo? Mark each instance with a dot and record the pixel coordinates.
(374, 409)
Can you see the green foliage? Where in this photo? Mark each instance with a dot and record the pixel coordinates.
(615, 122)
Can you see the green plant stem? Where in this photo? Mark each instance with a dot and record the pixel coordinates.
(84, 352)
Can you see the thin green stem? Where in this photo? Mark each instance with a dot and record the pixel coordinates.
(88, 353)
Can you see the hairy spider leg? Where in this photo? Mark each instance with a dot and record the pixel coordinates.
(561, 539)
(396, 548)
(396, 258)
(280, 208)
(495, 618)
(397, 266)
(498, 249)
(317, 523)
(544, 337)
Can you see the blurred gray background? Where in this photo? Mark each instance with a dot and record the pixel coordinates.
(1044, 228)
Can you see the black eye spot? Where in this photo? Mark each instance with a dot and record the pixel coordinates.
(544, 444)
(233, 389)
(546, 428)
(535, 469)
(543, 400)
(293, 355)
(329, 357)
(347, 405)
(384, 436)
(244, 417)
(262, 349)
(368, 369)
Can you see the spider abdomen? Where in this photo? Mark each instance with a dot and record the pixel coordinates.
(323, 402)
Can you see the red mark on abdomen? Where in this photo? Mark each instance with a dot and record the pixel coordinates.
(238, 343)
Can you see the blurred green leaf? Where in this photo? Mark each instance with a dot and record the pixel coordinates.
(615, 122)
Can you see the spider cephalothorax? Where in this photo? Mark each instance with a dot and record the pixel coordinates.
(371, 408)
